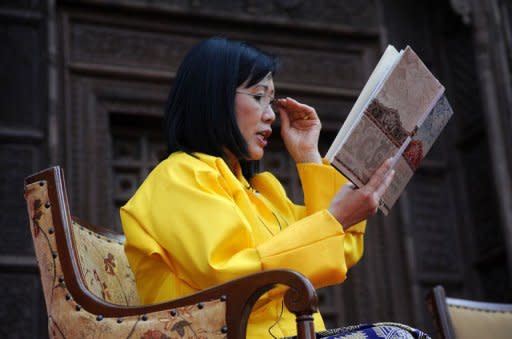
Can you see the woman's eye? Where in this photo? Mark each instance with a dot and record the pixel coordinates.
(258, 97)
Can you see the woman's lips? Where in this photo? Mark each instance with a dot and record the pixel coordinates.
(263, 136)
(262, 140)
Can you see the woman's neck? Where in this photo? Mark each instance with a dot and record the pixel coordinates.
(231, 160)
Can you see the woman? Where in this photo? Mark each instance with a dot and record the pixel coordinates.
(204, 216)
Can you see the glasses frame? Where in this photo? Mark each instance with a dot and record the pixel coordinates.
(272, 102)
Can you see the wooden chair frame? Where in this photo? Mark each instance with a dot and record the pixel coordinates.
(240, 295)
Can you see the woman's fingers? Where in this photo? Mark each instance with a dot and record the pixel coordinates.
(350, 205)
(378, 178)
(379, 182)
(283, 116)
(297, 110)
(300, 129)
(386, 182)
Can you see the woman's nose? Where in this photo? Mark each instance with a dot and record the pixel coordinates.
(269, 114)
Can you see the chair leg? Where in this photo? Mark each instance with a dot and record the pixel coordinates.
(305, 327)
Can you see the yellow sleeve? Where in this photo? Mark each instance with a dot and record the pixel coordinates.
(313, 246)
(320, 182)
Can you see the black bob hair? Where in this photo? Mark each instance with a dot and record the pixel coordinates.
(200, 111)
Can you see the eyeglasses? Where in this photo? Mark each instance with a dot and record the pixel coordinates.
(264, 100)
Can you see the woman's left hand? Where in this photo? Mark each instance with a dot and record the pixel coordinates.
(300, 130)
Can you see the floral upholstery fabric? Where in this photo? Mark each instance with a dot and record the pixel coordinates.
(106, 273)
(41, 225)
(104, 267)
(186, 322)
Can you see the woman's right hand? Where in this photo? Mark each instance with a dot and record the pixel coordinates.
(351, 206)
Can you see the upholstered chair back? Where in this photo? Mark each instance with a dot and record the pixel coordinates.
(467, 319)
(103, 265)
(472, 319)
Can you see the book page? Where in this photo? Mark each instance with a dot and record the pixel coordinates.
(380, 72)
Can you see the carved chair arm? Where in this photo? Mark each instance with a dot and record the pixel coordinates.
(240, 295)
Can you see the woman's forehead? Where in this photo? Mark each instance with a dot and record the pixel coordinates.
(267, 83)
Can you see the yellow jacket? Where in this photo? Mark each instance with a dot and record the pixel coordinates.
(193, 224)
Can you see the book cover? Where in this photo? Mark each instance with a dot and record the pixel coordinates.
(401, 119)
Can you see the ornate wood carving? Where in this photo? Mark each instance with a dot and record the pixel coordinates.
(97, 44)
(346, 14)
(116, 46)
(339, 69)
(311, 75)
(137, 147)
(93, 149)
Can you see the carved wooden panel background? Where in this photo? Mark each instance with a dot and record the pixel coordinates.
(23, 150)
(488, 249)
(452, 201)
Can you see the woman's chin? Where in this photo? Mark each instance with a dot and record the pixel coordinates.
(256, 155)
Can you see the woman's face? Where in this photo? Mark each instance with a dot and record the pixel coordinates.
(254, 115)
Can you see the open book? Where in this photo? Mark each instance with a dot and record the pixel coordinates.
(400, 113)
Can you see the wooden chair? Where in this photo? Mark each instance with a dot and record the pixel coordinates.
(467, 319)
(90, 291)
